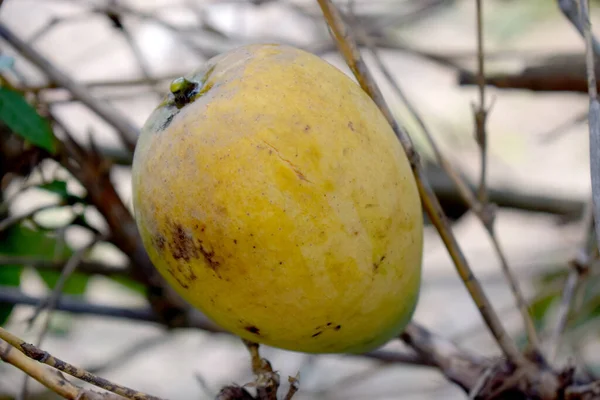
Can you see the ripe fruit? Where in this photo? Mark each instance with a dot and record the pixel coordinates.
(272, 194)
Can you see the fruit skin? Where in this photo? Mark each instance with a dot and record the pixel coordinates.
(279, 202)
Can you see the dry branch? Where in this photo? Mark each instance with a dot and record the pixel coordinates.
(44, 357)
(351, 54)
(125, 129)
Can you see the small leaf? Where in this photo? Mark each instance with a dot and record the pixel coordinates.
(130, 284)
(10, 275)
(75, 285)
(24, 120)
(541, 305)
(56, 187)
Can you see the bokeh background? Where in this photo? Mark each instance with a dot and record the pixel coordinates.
(538, 173)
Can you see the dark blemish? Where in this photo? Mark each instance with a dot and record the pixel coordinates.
(378, 263)
(168, 121)
(307, 128)
(252, 234)
(61, 382)
(252, 329)
(280, 262)
(317, 334)
(337, 328)
(234, 241)
(253, 247)
(209, 256)
(329, 323)
(181, 283)
(182, 246)
(159, 242)
(355, 233)
(351, 126)
(369, 205)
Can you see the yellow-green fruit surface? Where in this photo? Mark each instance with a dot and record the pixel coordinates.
(272, 194)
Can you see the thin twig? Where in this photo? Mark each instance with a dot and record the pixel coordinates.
(48, 377)
(294, 386)
(484, 212)
(594, 113)
(125, 129)
(349, 50)
(458, 365)
(66, 273)
(44, 357)
(51, 301)
(570, 9)
(86, 267)
(579, 267)
(480, 112)
(589, 391)
(562, 313)
(267, 381)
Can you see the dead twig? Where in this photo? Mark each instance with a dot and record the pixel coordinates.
(458, 365)
(48, 377)
(483, 210)
(66, 273)
(349, 50)
(86, 267)
(294, 386)
(594, 112)
(480, 112)
(44, 357)
(267, 381)
(125, 129)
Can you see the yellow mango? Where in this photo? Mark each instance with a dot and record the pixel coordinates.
(272, 194)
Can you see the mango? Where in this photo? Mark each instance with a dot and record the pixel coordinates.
(272, 194)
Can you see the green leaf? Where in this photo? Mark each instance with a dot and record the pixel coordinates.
(23, 241)
(76, 284)
(541, 305)
(56, 187)
(131, 284)
(10, 275)
(24, 120)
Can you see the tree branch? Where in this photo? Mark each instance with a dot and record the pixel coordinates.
(125, 129)
(48, 377)
(44, 357)
(351, 54)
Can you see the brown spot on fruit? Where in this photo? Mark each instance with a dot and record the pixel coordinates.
(177, 278)
(337, 328)
(182, 246)
(252, 329)
(377, 264)
(307, 128)
(317, 334)
(209, 257)
(351, 126)
(159, 241)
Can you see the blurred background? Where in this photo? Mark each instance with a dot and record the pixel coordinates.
(126, 52)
